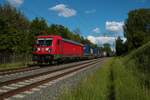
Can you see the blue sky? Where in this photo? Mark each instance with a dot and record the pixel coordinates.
(92, 17)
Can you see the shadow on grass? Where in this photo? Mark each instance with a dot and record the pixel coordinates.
(111, 87)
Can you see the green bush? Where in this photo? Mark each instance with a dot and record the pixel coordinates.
(139, 60)
(127, 85)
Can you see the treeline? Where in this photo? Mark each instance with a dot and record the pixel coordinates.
(17, 33)
(136, 31)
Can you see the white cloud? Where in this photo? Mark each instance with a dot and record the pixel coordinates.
(90, 11)
(96, 30)
(15, 3)
(114, 26)
(100, 40)
(92, 39)
(63, 10)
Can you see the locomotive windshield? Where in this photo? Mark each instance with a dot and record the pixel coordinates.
(44, 42)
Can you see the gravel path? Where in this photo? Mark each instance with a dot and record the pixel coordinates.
(51, 90)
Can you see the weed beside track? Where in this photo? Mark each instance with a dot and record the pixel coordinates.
(113, 81)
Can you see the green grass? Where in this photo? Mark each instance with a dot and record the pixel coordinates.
(15, 61)
(139, 61)
(113, 81)
(94, 87)
(127, 85)
(13, 65)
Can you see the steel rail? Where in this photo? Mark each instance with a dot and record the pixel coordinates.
(37, 75)
(30, 86)
(23, 69)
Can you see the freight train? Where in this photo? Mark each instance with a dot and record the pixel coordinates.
(55, 48)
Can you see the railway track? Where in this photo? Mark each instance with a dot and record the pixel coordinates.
(17, 70)
(16, 86)
(21, 70)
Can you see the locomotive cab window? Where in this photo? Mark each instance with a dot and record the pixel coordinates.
(44, 42)
(48, 42)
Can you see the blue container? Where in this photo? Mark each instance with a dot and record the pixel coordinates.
(95, 51)
(86, 50)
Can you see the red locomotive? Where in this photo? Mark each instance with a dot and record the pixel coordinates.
(55, 48)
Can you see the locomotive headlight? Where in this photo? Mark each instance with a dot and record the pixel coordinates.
(46, 49)
(38, 49)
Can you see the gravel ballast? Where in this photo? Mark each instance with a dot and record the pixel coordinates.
(53, 91)
(4, 78)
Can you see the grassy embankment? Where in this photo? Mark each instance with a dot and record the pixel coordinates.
(123, 78)
(12, 65)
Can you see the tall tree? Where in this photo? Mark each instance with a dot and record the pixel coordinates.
(14, 28)
(39, 26)
(107, 48)
(136, 28)
(120, 47)
(77, 31)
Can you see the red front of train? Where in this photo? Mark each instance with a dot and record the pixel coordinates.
(55, 48)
